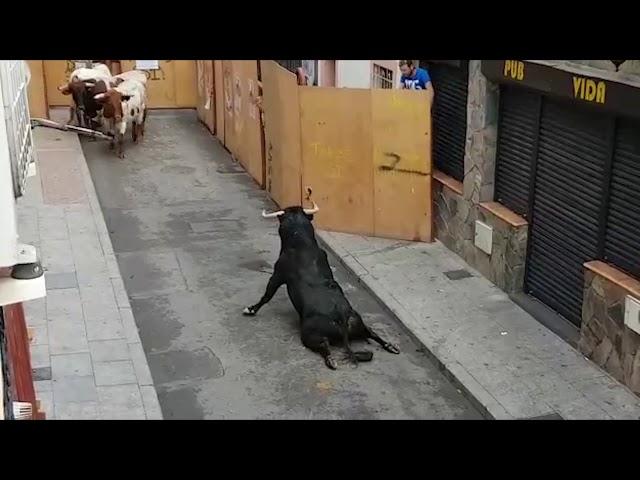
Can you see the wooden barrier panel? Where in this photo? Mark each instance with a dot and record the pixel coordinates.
(173, 85)
(336, 136)
(282, 134)
(366, 153)
(248, 127)
(401, 134)
(206, 115)
(38, 107)
(56, 73)
(219, 98)
(229, 125)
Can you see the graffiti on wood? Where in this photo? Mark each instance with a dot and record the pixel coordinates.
(393, 166)
(333, 159)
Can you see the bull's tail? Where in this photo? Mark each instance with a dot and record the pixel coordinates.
(363, 356)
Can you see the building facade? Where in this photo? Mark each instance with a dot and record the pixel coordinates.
(538, 187)
(358, 73)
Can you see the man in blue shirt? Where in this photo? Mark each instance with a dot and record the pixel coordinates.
(414, 78)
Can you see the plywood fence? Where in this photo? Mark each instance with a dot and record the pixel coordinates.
(206, 105)
(240, 117)
(173, 85)
(365, 153)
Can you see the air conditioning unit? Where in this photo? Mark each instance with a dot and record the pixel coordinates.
(17, 162)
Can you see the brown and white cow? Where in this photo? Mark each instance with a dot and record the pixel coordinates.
(123, 105)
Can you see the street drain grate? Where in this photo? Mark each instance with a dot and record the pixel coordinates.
(42, 373)
(457, 274)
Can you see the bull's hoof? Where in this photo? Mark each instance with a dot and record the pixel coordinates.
(390, 347)
(249, 312)
(331, 363)
(121, 156)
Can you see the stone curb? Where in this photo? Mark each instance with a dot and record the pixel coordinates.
(452, 370)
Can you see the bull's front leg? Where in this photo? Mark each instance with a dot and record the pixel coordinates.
(119, 141)
(275, 282)
(121, 128)
(72, 114)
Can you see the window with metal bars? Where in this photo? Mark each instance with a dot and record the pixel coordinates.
(310, 67)
(381, 77)
(290, 65)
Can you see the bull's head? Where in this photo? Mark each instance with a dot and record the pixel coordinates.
(81, 91)
(295, 224)
(307, 211)
(111, 100)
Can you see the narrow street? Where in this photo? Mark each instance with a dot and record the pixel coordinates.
(185, 224)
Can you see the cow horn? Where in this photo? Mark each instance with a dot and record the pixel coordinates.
(272, 215)
(310, 211)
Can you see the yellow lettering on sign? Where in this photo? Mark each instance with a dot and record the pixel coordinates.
(600, 90)
(590, 92)
(587, 89)
(514, 69)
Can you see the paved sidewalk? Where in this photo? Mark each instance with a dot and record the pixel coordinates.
(507, 362)
(87, 358)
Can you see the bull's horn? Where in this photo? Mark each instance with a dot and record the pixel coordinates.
(272, 215)
(310, 211)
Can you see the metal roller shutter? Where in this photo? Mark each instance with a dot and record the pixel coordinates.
(517, 132)
(449, 113)
(622, 243)
(573, 148)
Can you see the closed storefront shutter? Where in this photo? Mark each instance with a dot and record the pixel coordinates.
(622, 244)
(572, 154)
(449, 113)
(517, 132)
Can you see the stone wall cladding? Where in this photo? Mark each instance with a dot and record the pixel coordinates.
(603, 336)
(455, 219)
(482, 134)
(455, 215)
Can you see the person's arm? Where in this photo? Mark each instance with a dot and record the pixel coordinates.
(402, 87)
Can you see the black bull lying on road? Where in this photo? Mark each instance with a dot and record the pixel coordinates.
(326, 316)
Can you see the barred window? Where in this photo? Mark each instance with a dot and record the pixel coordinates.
(381, 77)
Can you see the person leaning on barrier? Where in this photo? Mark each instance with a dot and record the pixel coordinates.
(414, 78)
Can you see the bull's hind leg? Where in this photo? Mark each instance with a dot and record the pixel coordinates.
(388, 346)
(272, 287)
(346, 331)
(320, 344)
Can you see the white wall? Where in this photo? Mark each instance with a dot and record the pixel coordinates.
(353, 73)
